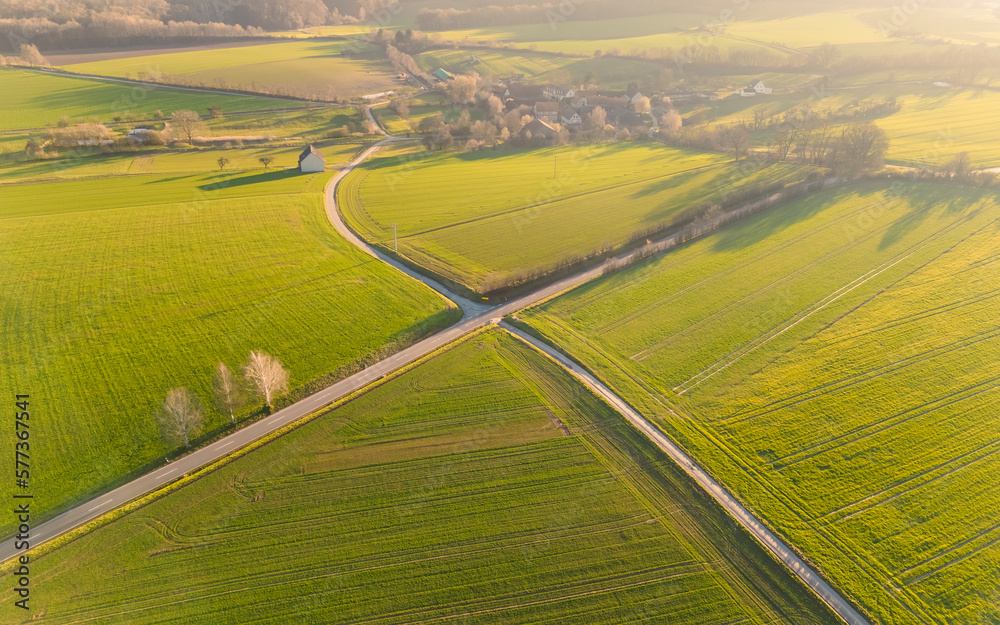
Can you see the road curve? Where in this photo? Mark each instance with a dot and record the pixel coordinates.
(476, 316)
(825, 592)
(470, 308)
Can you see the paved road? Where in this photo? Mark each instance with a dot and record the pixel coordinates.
(97, 506)
(476, 316)
(746, 519)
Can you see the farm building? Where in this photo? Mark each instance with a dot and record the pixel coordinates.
(632, 94)
(523, 94)
(755, 88)
(442, 75)
(538, 130)
(311, 161)
(547, 111)
(558, 92)
(569, 115)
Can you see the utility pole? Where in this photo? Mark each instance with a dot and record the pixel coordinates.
(395, 250)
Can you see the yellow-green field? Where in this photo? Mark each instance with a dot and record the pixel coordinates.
(485, 485)
(539, 67)
(35, 99)
(541, 207)
(833, 362)
(307, 68)
(119, 288)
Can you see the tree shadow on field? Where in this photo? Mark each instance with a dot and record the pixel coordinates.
(666, 184)
(932, 199)
(223, 180)
(769, 223)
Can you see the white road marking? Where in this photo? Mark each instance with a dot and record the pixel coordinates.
(226, 445)
(100, 504)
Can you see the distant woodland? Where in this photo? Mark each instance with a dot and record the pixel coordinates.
(68, 24)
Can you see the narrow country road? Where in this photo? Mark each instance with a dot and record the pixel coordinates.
(741, 514)
(476, 316)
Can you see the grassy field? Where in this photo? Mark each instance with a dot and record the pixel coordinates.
(612, 72)
(833, 362)
(931, 127)
(544, 205)
(35, 100)
(307, 68)
(485, 485)
(121, 287)
(164, 161)
(806, 31)
(626, 35)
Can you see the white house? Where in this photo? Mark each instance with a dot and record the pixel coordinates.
(569, 115)
(755, 88)
(558, 92)
(633, 95)
(311, 161)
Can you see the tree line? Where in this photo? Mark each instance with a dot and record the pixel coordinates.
(69, 24)
(181, 416)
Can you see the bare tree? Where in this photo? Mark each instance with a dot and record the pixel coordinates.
(826, 54)
(485, 133)
(594, 123)
(782, 141)
(265, 375)
(266, 161)
(643, 105)
(226, 391)
(494, 108)
(736, 138)
(222, 161)
(186, 123)
(30, 55)
(400, 107)
(462, 89)
(960, 166)
(181, 415)
(671, 122)
(862, 146)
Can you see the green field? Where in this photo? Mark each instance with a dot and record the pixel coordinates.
(305, 68)
(931, 127)
(119, 288)
(628, 35)
(834, 363)
(35, 100)
(611, 72)
(164, 161)
(543, 205)
(806, 31)
(484, 485)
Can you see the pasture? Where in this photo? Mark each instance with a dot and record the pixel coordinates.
(544, 206)
(35, 100)
(627, 35)
(833, 363)
(611, 72)
(121, 287)
(164, 161)
(930, 128)
(310, 68)
(484, 485)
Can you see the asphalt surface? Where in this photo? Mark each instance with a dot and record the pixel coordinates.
(476, 316)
